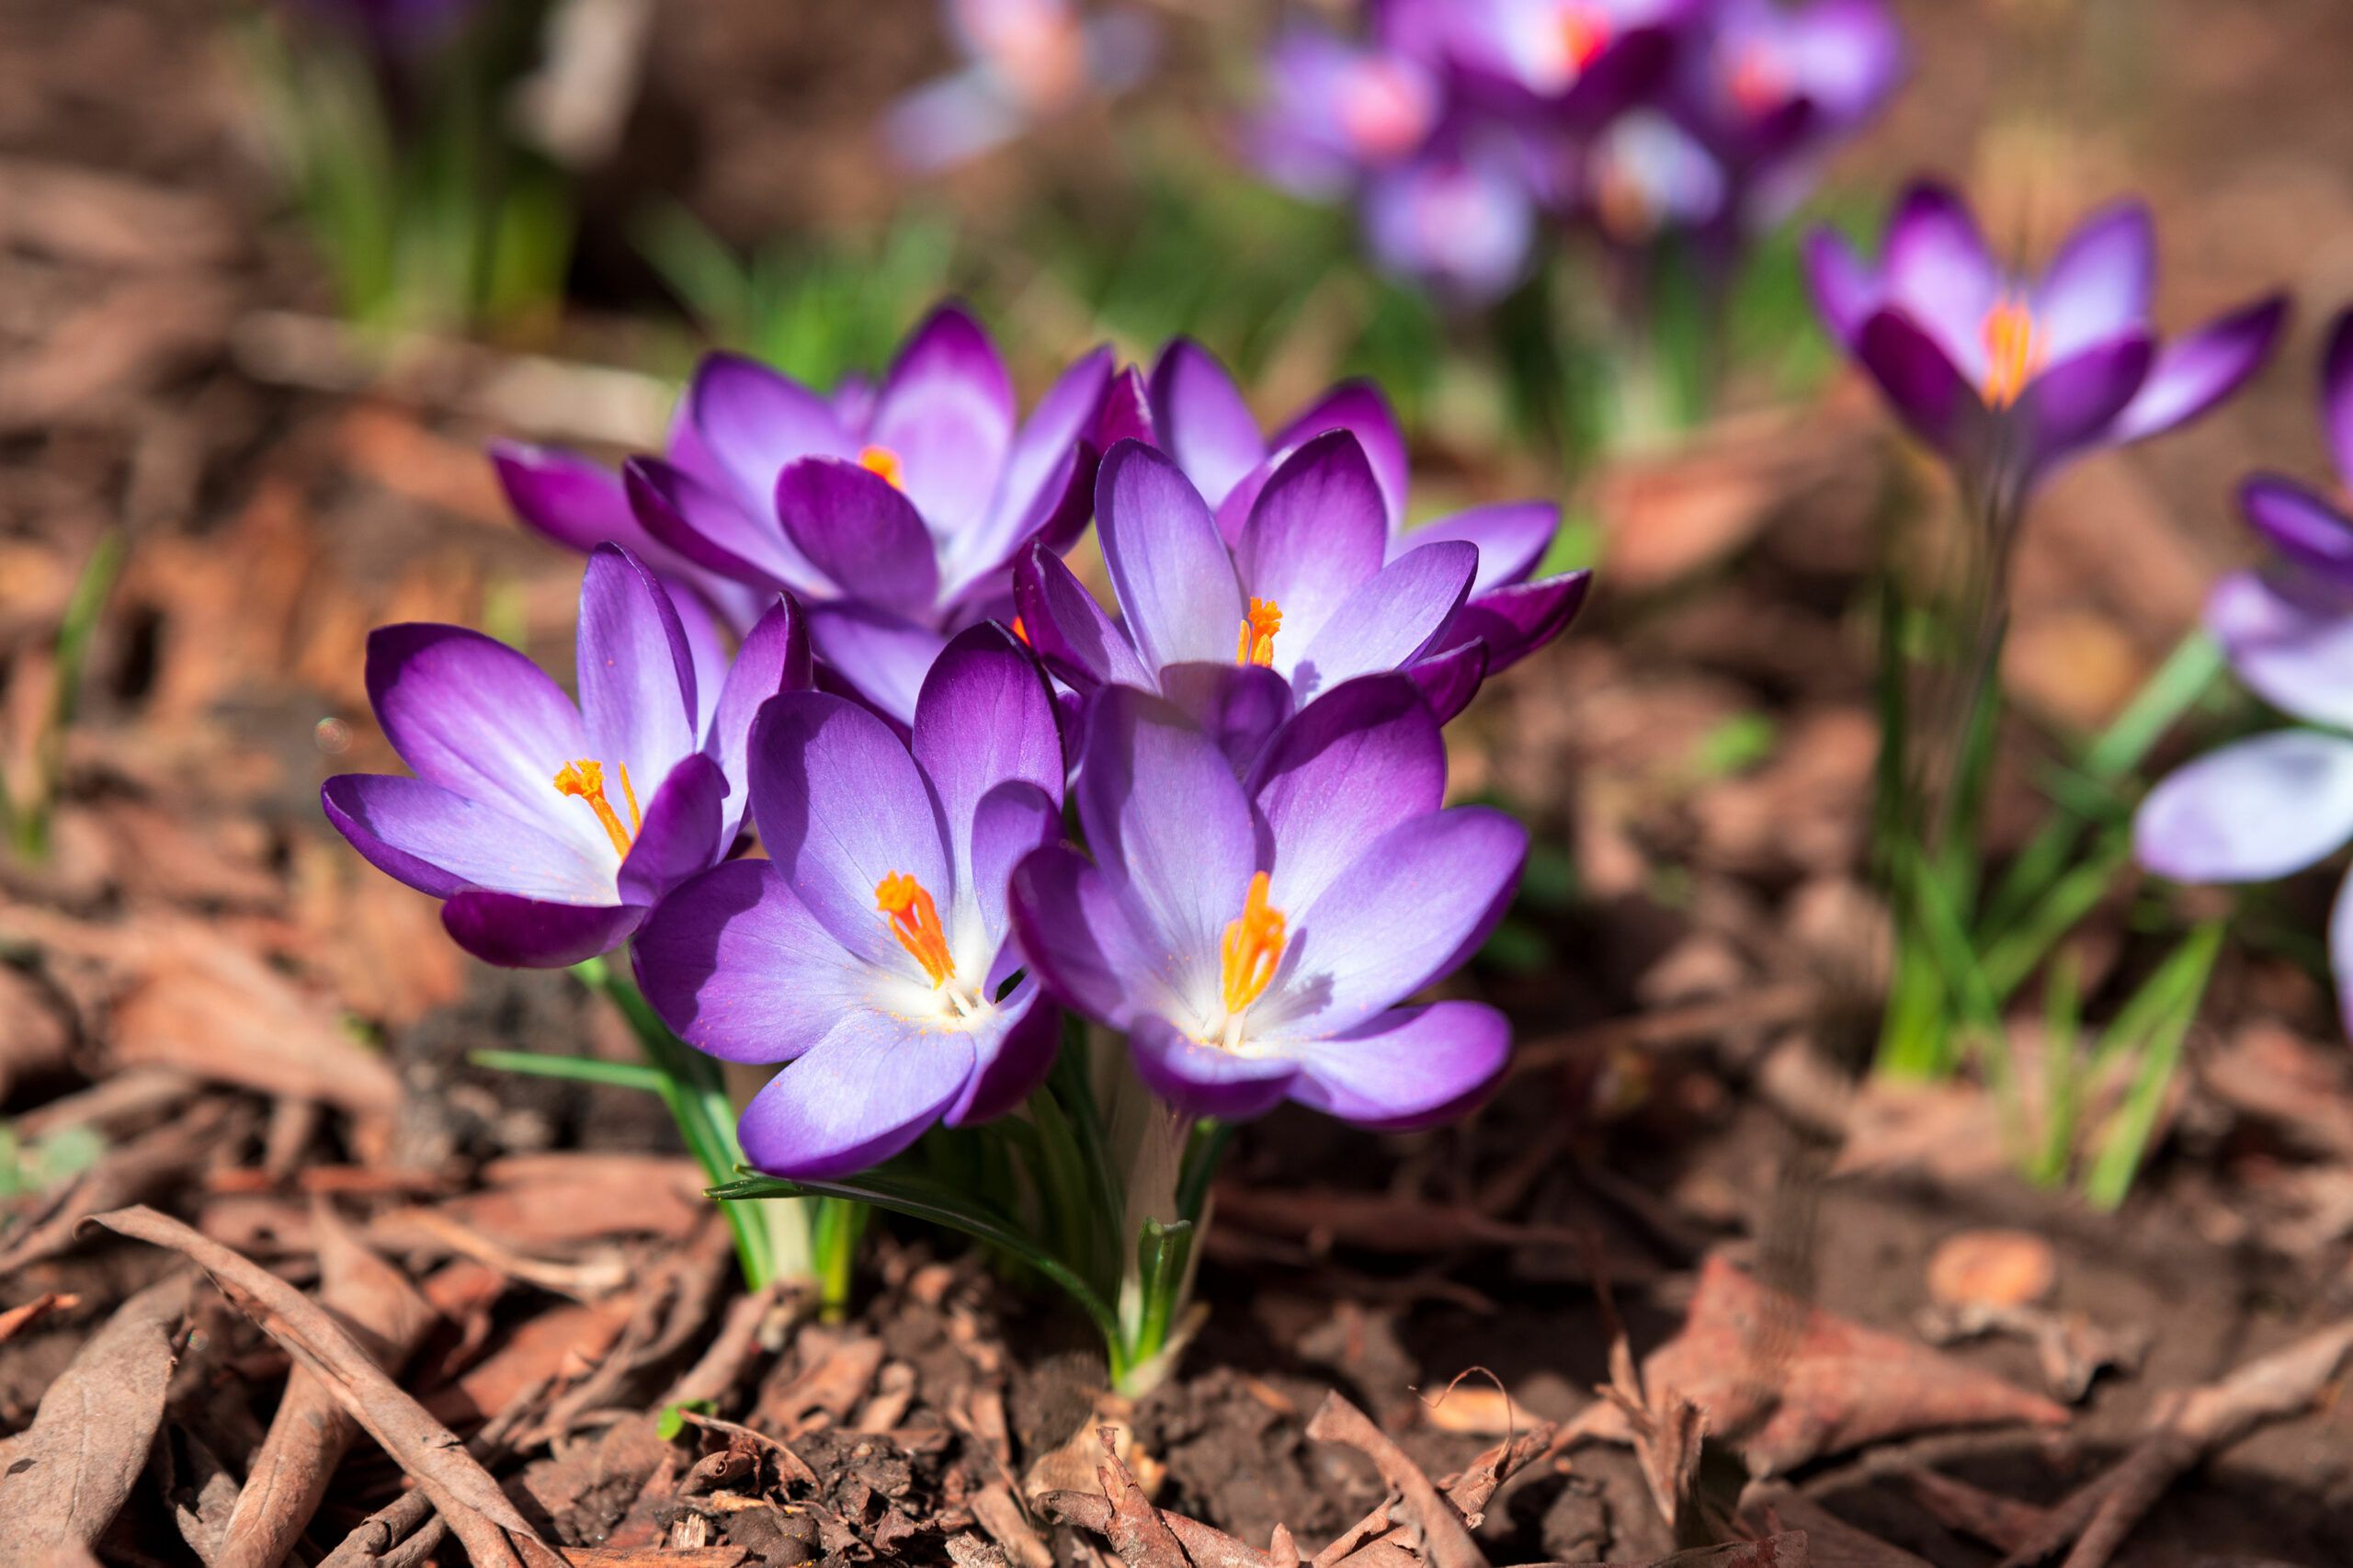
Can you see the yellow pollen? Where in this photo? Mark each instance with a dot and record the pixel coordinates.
(914, 920)
(1257, 644)
(882, 460)
(586, 779)
(2012, 355)
(1253, 947)
(1585, 33)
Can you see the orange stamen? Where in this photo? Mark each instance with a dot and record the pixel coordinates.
(1253, 947)
(885, 463)
(1021, 632)
(1257, 644)
(914, 920)
(586, 779)
(1585, 33)
(2012, 355)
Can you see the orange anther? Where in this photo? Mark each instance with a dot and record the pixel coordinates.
(914, 920)
(885, 463)
(2012, 355)
(1257, 644)
(586, 779)
(1253, 947)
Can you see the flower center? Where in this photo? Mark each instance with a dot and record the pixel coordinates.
(1582, 33)
(586, 779)
(1758, 84)
(884, 462)
(1257, 644)
(1253, 947)
(1381, 112)
(2012, 354)
(914, 920)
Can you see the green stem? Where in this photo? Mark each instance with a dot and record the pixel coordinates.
(88, 601)
(2165, 1009)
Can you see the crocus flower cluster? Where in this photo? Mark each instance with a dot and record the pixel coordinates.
(1461, 127)
(2279, 803)
(1259, 875)
(1025, 62)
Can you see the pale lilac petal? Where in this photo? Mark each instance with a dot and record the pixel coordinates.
(1361, 759)
(577, 502)
(1237, 706)
(439, 842)
(2099, 285)
(1516, 620)
(1083, 646)
(713, 533)
(2336, 395)
(1407, 1068)
(514, 932)
(706, 645)
(1449, 681)
(1201, 420)
(1203, 1081)
(1407, 909)
(1009, 821)
(1078, 935)
(1462, 225)
(2074, 403)
(841, 806)
(1362, 409)
(1047, 486)
(2292, 649)
(635, 671)
(750, 422)
(857, 1097)
(1169, 567)
(1317, 534)
(858, 529)
(952, 119)
(881, 655)
(984, 718)
(2309, 531)
(1846, 291)
(945, 410)
(774, 658)
(1512, 538)
(741, 968)
(1938, 269)
(1013, 1050)
(1388, 621)
(681, 833)
(2196, 372)
(2260, 809)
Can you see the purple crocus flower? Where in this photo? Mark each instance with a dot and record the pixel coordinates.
(549, 828)
(1459, 218)
(893, 517)
(2009, 377)
(1572, 62)
(2277, 803)
(871, 950)
(1644, 174)
(1254, 939)
(1337, 109)
(1026, 61)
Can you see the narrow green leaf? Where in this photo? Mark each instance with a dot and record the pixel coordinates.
(577, 1069)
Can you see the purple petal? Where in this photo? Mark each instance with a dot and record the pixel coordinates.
(859, 530)
(1049, 480)
(577, 502)
(481, 721)
(774, 658)
(750, 422)
(515, 932)
(2257, 810)
(1512, 538)
(1201, 420)
(1359, 408)
(1013, 1052)
(681, 834)
(1406, 911)
(986, 718)
(1462, 225)
(441, 843)
(1920, 378)
(713, 533)
(1405, 1069)
(2293, 650)
(706, 646)
(1515, 621)
(1361, 759)
(741, 968)
(1938, 270)
(1077, 936)
(859, 1095)
(1202, 1080)
(1391, 620)
(1083, 646)
(2098, 286)
(883, 657)
(946, 410)
(635, 672)
(2072, 405)
(2196, 372)
(1449, 681)
(1846, 292)
(2340, 949)
(1317, 533)
(1008, 823)
(2300, 526)
(1237, 706)
(840, 806)
(1169, 567)
(951, 119)
(2336, 394)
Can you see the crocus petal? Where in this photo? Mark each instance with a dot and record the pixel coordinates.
(861, 532)
(1126, 413)
(2340, 949)
(441, 843)
(479, 718)
(1160, 807)
(706, 645)
(1846, 292)
(1078, 938)
(1013, 1050)
(2300, 527)
(1318, 533)
(1169, 567)
(1202, 1080)
(1237, 706)
(2251, 811)
(945, 410)
(2336, 394)
(714, 533)
(859, 1095)
(2074, 403)
(1389, 620)
(751, 421)
(2196, 372)
(2293, 650)
(1201, 421)
(1049, 483)
(1410, 907)
(951, 119)
(774, 658)
(1449, 681)
(681, 833)
(1512, 538)
(1361, 759)
(1937, 266)
(984, 718)
(1516, 620)
(1920, 378)
(741, 968)
(1407, 1068)
(635, 672)
(1462, 224)
(1008, 823)
(1362, 410)
(1083, 646)
(884, 657)
(840, 806)
(515, 932)
(577, 502)
(2098, 286)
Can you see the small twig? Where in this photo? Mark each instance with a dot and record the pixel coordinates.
(1445, 1537)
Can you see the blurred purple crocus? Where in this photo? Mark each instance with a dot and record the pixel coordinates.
(892, 516)
(1255, 938)
(2276, 803)
(2009, 377)
(1569, 63)
(1026, 61)
(549, 828)
(871, 950)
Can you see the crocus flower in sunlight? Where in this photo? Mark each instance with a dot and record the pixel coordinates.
(1642, 175)
(1573, 62)
(1255, 937)
(2009, 376)
(893, 517)
(1459, 219)
(550, 829)
(1337, 109)
(2279, 803)
(871, 951)
(1026, 61)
